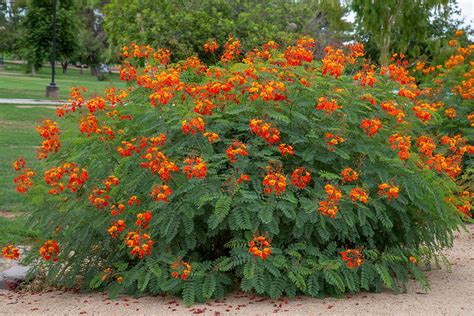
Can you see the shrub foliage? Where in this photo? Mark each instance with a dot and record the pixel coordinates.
(270, 172)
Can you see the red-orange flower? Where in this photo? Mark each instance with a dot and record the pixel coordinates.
(195, 167)
(19, 164)
(143, 219)
(359, 194)
(403, 144)
(349, 175)
(210, 47)
(236, 149)
(196, 124)
(116, 228)
(23, 180)
(274, 182)
(327, 106)
(286, 149)
(260, 247)
(11, 252)
(140, 244)
(49, 131)
(388, 190)
(300, 177)
(161, 193)
(243, 177)
(50, 250)
(265, 130)
(353, 257)
(329, 205)
(333, 140)
(181, 269)
(212, 137)
(371, 127)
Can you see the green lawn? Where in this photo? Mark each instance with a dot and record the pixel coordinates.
(18, 138)
(15, 83)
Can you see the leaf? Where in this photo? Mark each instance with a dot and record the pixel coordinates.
(209, 286)
(221, 210)
(188, 293)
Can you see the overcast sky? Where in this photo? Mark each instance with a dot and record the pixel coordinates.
(467, 8)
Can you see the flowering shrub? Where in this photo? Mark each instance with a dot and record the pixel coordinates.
(278, 174)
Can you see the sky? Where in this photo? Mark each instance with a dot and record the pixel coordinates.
(467, 11)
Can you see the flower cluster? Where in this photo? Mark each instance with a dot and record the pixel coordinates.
(300, 177)
(274, 182)
(23, 180)
(371, 127)
(143, 219)
(195, 167)
(328, 207)
(260, 247)
(236, 149)
(402, 143)
(10, 252)
(333, 140)
(353, 257)
(388, 190)
(327, 106)
(50, 250)
(286, 149)
(181, 269)
(116, 228)
(359, 194)
(55, 177)
(349, 175)
(49, 131)
(161, 193)
(265, 130)
(140, 244)
(191, 127)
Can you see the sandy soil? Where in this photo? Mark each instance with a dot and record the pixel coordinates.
(452, 293)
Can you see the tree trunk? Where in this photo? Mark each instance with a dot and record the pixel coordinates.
(386, 41)
(33, 70)
(82, 69)
(64, 64)
(94, 70)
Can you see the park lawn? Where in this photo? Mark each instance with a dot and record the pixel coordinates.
(18, 138)
(16, 84)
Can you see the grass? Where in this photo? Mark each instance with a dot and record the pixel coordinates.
(16, 84)
(18, 138)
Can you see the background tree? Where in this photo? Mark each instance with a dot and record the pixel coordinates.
(183, 26)
(394, 24)
(37, 32)
(10, 15)
(92, 37)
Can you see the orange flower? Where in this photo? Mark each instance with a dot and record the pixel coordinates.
(210, 47)
(140, 244)
(349, 175)
(389, 190)
(49, 131)
(75, 176)
(333, 140)
(116, 228)
(327, 106)
(359, 194)
(195, 167)
(212, 137)
(10, 252)
(353, 258)
(50, 250)
(371, 127)
(237, 148)
(260, 247)
(334, 62)
(231, 51)
(23, 181)
(204, 107)
(329, 206)
(286, 149)
(161, 193)
(300, 177)
(19, 164)
(450, 113)
(403, 144)
(412, 259)
(119, 280)
(158, 163)
(99, 198)
(459, 33)
(182, 269)
(133, 200)
(265, 130)
(243, 177)
(196, 124)
(143, 219)
(274, 182)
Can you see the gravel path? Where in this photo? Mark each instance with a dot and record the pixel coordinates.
(32, 101)
(452, 294)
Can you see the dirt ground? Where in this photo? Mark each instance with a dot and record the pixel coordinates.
(452, 293)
